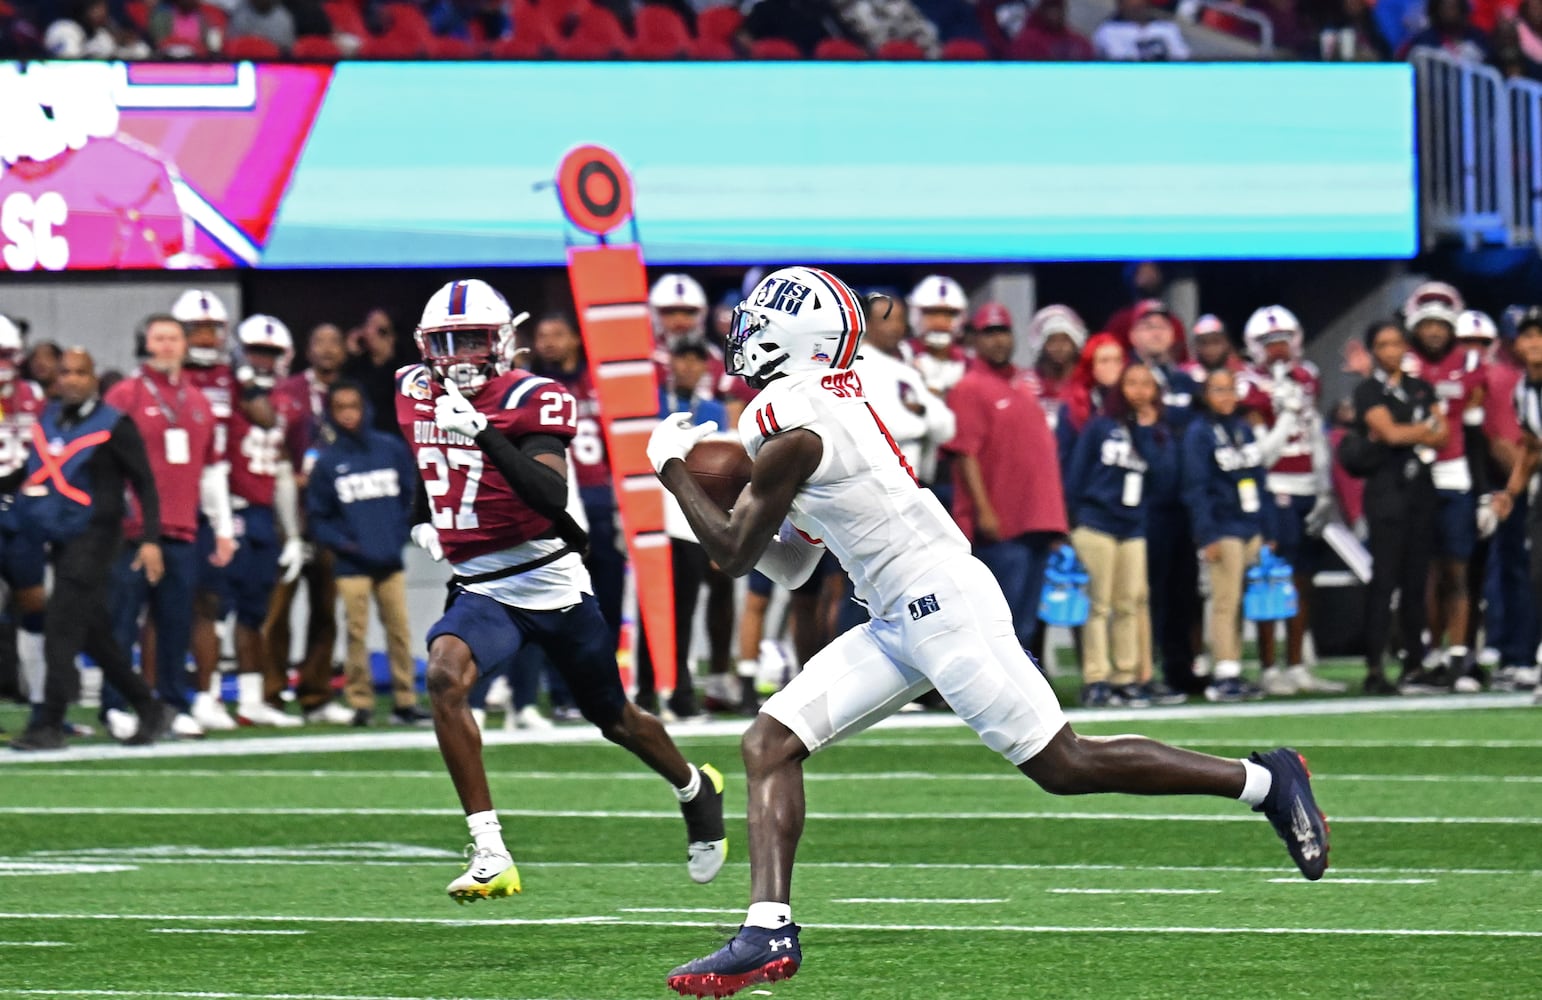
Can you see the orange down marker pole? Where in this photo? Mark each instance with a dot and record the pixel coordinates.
(610, 292)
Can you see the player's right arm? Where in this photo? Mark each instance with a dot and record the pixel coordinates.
(737, 540)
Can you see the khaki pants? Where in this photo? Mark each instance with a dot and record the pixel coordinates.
(390, 594)
(1228, 575)
(1118, 593)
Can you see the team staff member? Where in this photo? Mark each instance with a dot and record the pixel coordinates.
(1528, 408)
(1398, 413)
(71, 492)
(178, 427)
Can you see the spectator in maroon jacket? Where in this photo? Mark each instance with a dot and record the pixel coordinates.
(1008, 498)
(1044, 36)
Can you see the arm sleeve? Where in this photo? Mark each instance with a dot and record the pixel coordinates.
(542, 487)
(790, 559)
(129, 451)
(214, 498)
(286, 501)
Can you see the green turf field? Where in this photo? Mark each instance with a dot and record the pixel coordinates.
(929, 869)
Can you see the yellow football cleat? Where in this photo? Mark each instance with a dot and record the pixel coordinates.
(489, 874)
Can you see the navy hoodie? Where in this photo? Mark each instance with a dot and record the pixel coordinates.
(359, 501)
(1223, 480)
(1106, 486)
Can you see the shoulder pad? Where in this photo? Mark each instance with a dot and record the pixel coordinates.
(414, 382)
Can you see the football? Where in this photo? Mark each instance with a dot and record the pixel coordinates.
(722, 467)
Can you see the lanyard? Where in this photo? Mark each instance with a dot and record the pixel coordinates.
(166, 411)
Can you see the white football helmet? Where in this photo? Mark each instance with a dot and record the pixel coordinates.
(936, 291)
(466, 334)
(11, 350)
(677, 291)
(797, 319)
(199, 306)
(270, 333)
(1052, 320)
(1432, 300)
(1268, 323)
(1475, 325)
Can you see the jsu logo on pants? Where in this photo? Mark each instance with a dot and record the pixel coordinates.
(923, 606)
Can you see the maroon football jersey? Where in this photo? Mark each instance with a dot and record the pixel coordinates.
(301, 403)
(218, 385)
(1255, 391)
(19, 410)
(254, 456)
(591, 462)
(474, 508)
(1456, 385)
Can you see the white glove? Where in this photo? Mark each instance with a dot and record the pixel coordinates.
(426, 537)
(1320, 515)
(291, 559)
(674, 437)
(1488, 520)
(455, 414)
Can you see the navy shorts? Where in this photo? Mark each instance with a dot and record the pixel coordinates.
(23, 559)
(211, 579)
(576, 641)
(1291, 542)
(1456, 525)
(253, 573)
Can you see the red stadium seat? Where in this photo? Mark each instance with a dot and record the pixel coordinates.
(138, 12)
(719, 23)
(345, 18)
(965, 48)
(774, 48)
(901, 48)
(712, 48)
(316, 47)
(250, 47)
(839, 48)
(524, 45)
(407, 31)
(452, 48)
(598, 35)
(660, 34)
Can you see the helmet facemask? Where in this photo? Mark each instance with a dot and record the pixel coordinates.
(746, 353)
(468, 356)
(10, 364)
(206, 355)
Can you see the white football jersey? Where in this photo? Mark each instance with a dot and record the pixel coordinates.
(862, 502)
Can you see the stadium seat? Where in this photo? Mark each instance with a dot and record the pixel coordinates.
(250, 47)
(965, 48)
(901, 48)
(452, 48)
(719, 23)
(524, 45)
(839, 48)
(774, 48)
(598, 35)
(138, 12)
(316, 47)
(407, 28)
(712, 48)
(660, 34)
(345, 18)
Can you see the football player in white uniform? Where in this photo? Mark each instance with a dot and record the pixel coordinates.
(827, 474)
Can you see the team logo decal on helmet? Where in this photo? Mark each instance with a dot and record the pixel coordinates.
(796, 319)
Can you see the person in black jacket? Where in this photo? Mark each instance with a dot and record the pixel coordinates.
(1401, 414)
(71, 492)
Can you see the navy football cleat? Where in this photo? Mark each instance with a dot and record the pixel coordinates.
(754, 955)
(1293, 811)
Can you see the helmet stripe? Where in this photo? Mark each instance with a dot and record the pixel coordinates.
(458, 299)
(851, 318)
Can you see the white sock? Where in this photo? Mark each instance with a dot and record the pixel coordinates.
(217, 687)
(1256, 787)
(486, 831)
(693, 786)
(768, 915)
(249, 689)
(748, 668)
(34, 669)
(1227, 669)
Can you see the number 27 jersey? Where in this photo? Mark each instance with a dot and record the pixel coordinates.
(474, 508)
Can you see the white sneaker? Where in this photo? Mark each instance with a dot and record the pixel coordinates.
(1202, 665)
(332, 713)
(184, 727)
(489, 874)
(90, 687)
(479, 716)
(1278, 683)
(263, 714)
(211, 714)
(120, 724)
(1301, 675)
(530, 717)
(500, 694)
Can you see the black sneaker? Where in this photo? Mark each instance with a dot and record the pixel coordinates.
(684, 705)
(1377, 685)
(362, 717)
(1097, 695)
(1293, 811)
(40, 738)
(154, 724)
(1473, 680)
(754, 955)
(411, 715)
(1158, 693)
(648, 701)
(706, 845)
(1428, 681)
(1129, 696)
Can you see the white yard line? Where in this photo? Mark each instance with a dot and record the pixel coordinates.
(881, 817)
(339, 742)
(711, 925)
(235, 931)
(34, 944)
(1138, 892)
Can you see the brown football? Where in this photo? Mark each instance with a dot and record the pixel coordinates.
(722, 467)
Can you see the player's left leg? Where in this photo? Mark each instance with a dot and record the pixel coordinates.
(578, 644)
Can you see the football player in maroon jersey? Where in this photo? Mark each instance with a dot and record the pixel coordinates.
(491, 445)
